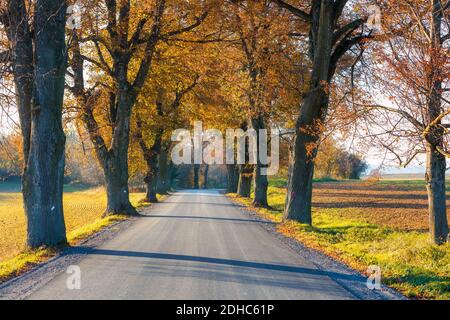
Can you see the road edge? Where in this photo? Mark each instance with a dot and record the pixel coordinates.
(24, 284)
(322, 261)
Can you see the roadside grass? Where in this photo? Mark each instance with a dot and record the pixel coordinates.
(83, 209)
(409, 262)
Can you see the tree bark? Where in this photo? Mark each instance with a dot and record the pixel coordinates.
(436, 161)
(151, 156)
(44, 171)
(300, 182)
(437, 207)
(196, 176)
(20, 38)
(312, 115)
(151, 183)
(232, 178)
(205, 176)
(261, 181)
(151, 178)
(163, 184)
(245, 180)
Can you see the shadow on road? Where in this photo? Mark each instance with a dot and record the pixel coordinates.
(229, 262)
(205, 218)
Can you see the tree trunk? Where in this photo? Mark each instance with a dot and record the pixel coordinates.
(196, 176)
(436, 161)
(163, 184)
(300, 182)
(205, 176)
(44, 172)
(435, 178)
(118, 194)
(312, 114)
(19, 35)
(245, 181)
(232, 178)
(261, 182)
(151, 183)
(151, 179)
(151, 156)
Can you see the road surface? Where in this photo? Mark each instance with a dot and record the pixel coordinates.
(196, 245)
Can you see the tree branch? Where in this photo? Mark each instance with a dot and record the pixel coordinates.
(420, 126)
(347, 29)
(295, 11)
(151, 42)
(198, 21)
(5, 56)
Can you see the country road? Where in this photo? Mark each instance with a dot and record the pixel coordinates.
(197, 245)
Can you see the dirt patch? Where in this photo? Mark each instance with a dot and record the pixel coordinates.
(401, 207)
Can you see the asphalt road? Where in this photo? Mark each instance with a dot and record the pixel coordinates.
(196, 245)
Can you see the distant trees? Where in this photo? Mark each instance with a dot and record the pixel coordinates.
(81, 165)
(10, 156)
(335, 162)
(350, 166)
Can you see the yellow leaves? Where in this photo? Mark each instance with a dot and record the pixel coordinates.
(311, 149)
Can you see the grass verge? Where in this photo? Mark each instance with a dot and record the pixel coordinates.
(85, 227)
(408, 261)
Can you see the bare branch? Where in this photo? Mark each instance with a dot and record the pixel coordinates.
(198, 21)
(295, 11)
(5, 56)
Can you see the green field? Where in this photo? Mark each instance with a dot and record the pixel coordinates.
(83, 209)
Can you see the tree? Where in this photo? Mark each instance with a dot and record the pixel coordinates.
(410, 73)
(331, 35)
(124, 58)
(38, 60)
(262, 30)
(152, 153)
(334, 161)
(350, 166)
(196, 168)
(232, 178)
(205, 176)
